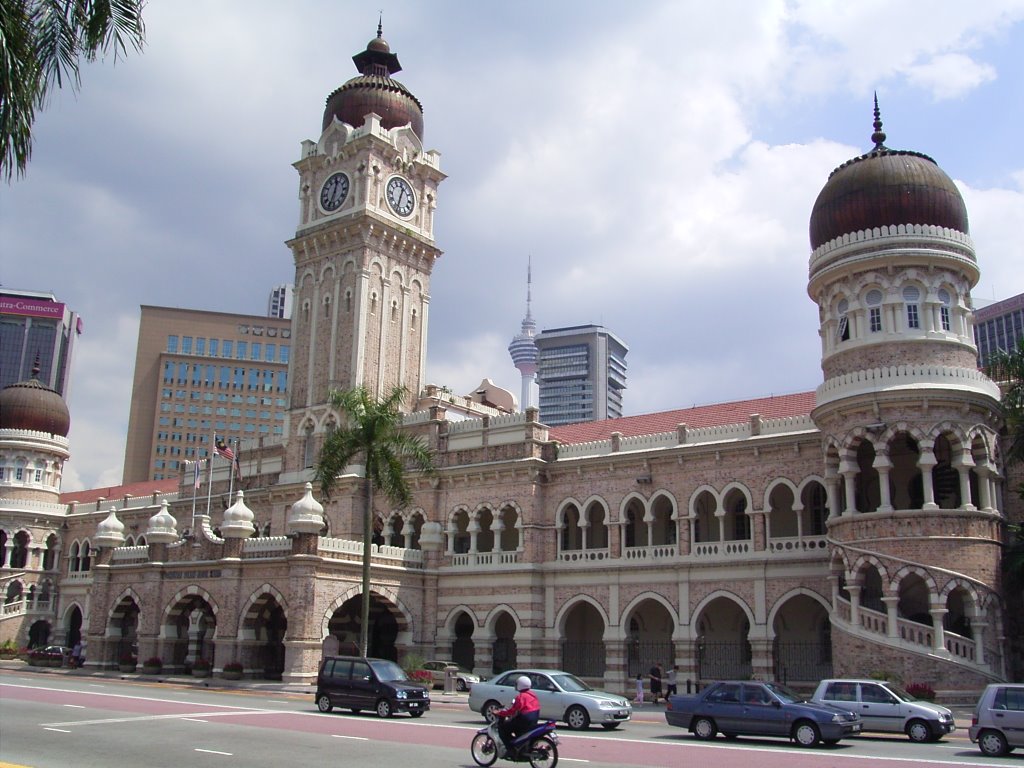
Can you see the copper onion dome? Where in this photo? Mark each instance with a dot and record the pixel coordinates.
(31, 405)
(374, 91)
(886, 187)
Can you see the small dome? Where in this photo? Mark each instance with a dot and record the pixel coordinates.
(306, 514)
(374, 91)
(238, 520)
(110, 532)
(886, 187)
(163, 528)
(32, 406)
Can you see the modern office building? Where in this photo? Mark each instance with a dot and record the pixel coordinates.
(36, 330)
(280, 303)
(998, 326)
(197, 374)
(581, 374)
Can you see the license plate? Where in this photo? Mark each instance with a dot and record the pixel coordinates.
(622, 713)
(414, 704)
(856, 728)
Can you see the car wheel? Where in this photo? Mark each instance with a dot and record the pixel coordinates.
(416, 714)
(610, 726)
(488, 711)
(460, 685)
(323, 703)
(918, 731)
(830, 742)
(577, 719)
(993, 743)
(384, 708)
(704, 729)
(805, 733)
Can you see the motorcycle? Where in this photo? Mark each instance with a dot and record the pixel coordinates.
(538, 747)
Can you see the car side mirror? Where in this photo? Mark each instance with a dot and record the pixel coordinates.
(776, 704)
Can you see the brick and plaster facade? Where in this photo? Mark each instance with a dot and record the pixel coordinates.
(856, 529)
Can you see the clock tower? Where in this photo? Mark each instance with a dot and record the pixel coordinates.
(364, 246)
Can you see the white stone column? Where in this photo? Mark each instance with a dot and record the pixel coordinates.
(984, 487)
(939, 634)
(849, 472)
(884, 466)
(978, 629)
(926, 462)
(892, 616)
(963, 465)
(854, 591)
(832, 492)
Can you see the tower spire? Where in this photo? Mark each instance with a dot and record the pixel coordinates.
(878, 136)
(523, 348)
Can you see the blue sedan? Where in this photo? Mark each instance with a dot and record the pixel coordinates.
(751, 708)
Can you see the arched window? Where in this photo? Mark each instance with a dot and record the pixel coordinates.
(945, 300)
(843, 330)
(874, 302)
(308, 457)
(911, 297)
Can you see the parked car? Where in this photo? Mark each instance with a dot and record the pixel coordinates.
(885, 707)
(998, 722)
(359, 683)
(562, 697)
(51, 654)
(751, 708)
(463, 677)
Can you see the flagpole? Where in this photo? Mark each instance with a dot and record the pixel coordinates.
(195, 490)
(209, 474)
(231, 478)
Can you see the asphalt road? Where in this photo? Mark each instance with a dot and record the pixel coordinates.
(50, 721)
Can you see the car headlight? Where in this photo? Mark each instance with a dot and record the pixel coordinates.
(402, 695)
(612, 704)
(837, 718)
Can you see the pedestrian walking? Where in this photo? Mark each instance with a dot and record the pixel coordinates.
(655, 675)
(639, 689)
(76, 654)
(671, 680)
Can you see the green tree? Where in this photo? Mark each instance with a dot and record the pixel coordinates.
(373, 433)
(41, 45)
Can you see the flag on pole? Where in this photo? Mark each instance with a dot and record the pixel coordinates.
(223, 450)
(195, 474)
(237, 461)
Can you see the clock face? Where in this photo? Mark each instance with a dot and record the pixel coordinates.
(334, 192)
(400, 196)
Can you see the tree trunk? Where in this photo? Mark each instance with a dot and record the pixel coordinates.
(364, 622)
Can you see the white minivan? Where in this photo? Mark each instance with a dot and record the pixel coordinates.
(885, 707)
(998, 723)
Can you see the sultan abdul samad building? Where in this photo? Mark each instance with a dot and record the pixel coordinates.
(855, 529)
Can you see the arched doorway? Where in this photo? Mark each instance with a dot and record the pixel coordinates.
(263, 630)
(73, 626)
(38, 634)
(383, 630)
(463, 647)
(650, 628)
(583, 651)
(123, 631)
(802, 648)
(190, 629)
(503, 654)
(723, 644)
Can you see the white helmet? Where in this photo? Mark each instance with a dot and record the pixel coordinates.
(523, 683)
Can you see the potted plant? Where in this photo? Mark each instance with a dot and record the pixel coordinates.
(8, 649)
(127, 662)
(152, 666)
(232, 671)
(201, 668)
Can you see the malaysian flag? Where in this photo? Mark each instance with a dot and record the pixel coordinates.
(195, 472)
(223, 450)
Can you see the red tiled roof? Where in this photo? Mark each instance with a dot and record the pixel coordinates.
(145, 488)
(719, 414)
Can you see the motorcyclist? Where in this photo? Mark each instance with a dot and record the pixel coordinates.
(520, 716)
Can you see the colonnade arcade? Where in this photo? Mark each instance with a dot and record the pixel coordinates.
(721, 641)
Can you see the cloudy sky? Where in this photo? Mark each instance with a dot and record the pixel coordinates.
(658, 161)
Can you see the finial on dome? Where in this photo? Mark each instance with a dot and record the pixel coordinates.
(36, 367)
(878, 136)
(380, 25)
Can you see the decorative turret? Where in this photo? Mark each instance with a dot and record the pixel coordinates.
(163, 528)
(31, 405)
(110, 532)
(306, 515)
(238, 520)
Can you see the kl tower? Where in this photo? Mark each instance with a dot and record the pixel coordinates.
(524, 350)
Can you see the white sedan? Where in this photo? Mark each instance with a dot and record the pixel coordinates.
(463, 677)
(562, 696)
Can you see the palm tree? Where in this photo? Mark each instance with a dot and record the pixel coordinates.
(374, 434)
(41, 44)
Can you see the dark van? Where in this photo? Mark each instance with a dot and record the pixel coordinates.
(357, 683)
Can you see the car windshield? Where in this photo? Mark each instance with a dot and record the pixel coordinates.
(899, 693)
(787, 695)
(388, 671)
(571, 683)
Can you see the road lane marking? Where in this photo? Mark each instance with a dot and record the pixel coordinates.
(149, 718)
(354, 738)
(137, 698)
(58, 730)
(195, 720)
(214, 752)
(74, 706)
(573, 760)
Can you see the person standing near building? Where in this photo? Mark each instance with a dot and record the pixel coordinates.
(671, 680)
(655, 675)
(76, 654)
(639, 689)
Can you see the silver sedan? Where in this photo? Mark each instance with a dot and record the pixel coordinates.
(562, 697)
